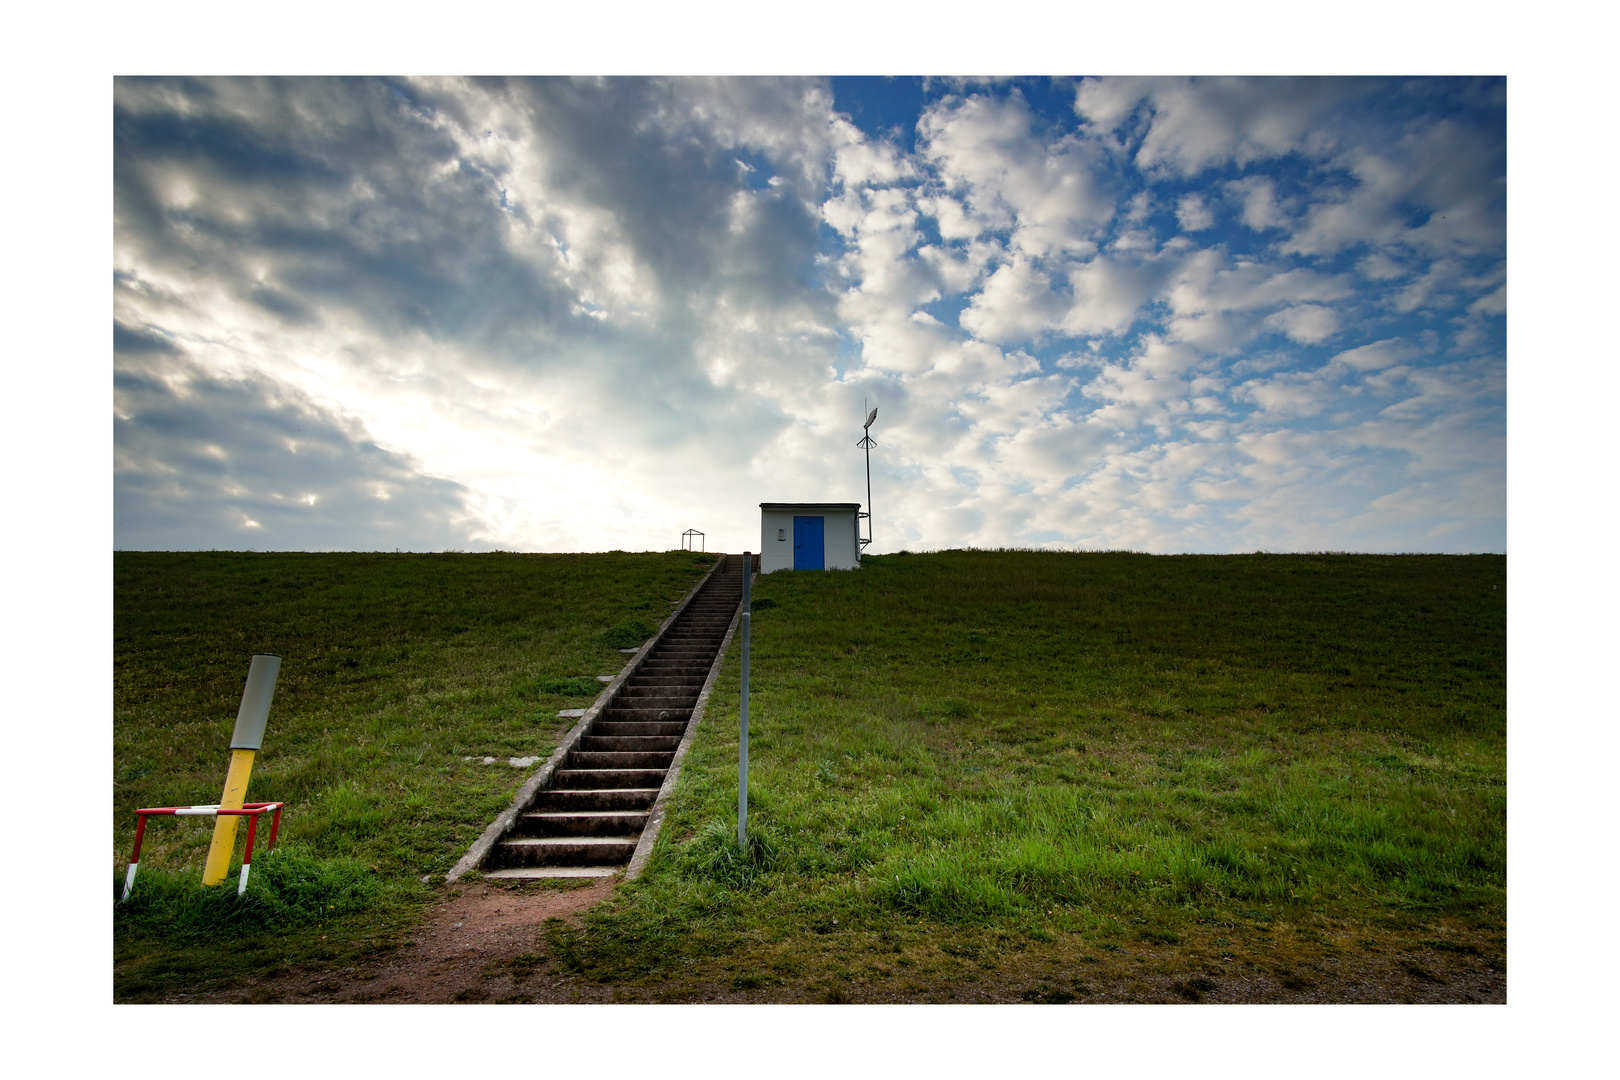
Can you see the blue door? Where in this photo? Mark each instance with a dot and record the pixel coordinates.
(809, 550)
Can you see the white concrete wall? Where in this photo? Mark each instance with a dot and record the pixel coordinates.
(839, 538)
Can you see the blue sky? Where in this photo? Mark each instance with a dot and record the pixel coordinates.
(580, 314)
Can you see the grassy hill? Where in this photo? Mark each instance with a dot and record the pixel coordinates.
(971, 761)
(961, 763)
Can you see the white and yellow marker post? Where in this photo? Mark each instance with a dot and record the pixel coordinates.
(246, 739)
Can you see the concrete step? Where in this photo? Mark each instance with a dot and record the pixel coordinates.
(680, 669)
(564, 850)
(617, 713)
(668, 698)
(596, 779)
(630, 743)
(535, 873)
(580, 823)
(596, 760)
(573, 800)
(686, 702)
(609, 729)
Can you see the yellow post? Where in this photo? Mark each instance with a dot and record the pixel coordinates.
(246, 739)
(235, 794)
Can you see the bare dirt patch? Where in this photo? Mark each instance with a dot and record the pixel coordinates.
(482, 943)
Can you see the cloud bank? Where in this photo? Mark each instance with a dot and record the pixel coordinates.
(582, 314)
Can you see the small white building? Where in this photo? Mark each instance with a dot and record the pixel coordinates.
(809, 536)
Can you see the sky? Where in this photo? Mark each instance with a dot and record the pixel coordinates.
(578, 314)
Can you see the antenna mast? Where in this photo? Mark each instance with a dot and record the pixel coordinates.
(866, 444)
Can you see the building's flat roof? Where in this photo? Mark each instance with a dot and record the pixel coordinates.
(809, 506)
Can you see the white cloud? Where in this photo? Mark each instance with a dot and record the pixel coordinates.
(1108, 292)
(1380, 267)
(1193, 214)
(1053, 197)
(1015, 304)
(1199, 123)
(1306, 323)
(1206, 282)
(1453, 177)
(1378, 355)
(1289, 394)
(1261, 209)
(1492, 304)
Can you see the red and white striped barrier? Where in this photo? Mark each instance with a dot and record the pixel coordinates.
(251, 811)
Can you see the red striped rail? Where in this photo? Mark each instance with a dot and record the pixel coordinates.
(251, 811)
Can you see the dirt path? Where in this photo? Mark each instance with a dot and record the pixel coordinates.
(483, 943)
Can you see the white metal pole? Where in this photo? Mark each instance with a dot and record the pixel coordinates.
(742, 735)
(868, 442)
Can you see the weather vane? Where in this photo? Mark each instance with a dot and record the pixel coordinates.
(866, 444)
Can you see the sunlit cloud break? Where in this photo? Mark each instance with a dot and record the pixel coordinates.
(1169, 315)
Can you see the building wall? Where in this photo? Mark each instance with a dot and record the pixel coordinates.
(839, 535)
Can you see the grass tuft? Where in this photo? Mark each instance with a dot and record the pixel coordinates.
(714, 855)
(288, 887)
(578, 686)
(628, 634)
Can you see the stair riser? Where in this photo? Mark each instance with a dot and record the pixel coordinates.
(570, 855)
(611, 729)
(544, 824)
(649, 699)
(608, 778)
(587, 759)
(630, 744)
(646, 716)
(607, 799)
(679, 697)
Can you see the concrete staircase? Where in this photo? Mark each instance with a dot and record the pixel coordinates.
(586, 820)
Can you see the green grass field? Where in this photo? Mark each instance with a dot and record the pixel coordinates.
(395, 669)
(969, 760)
(961, 762)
